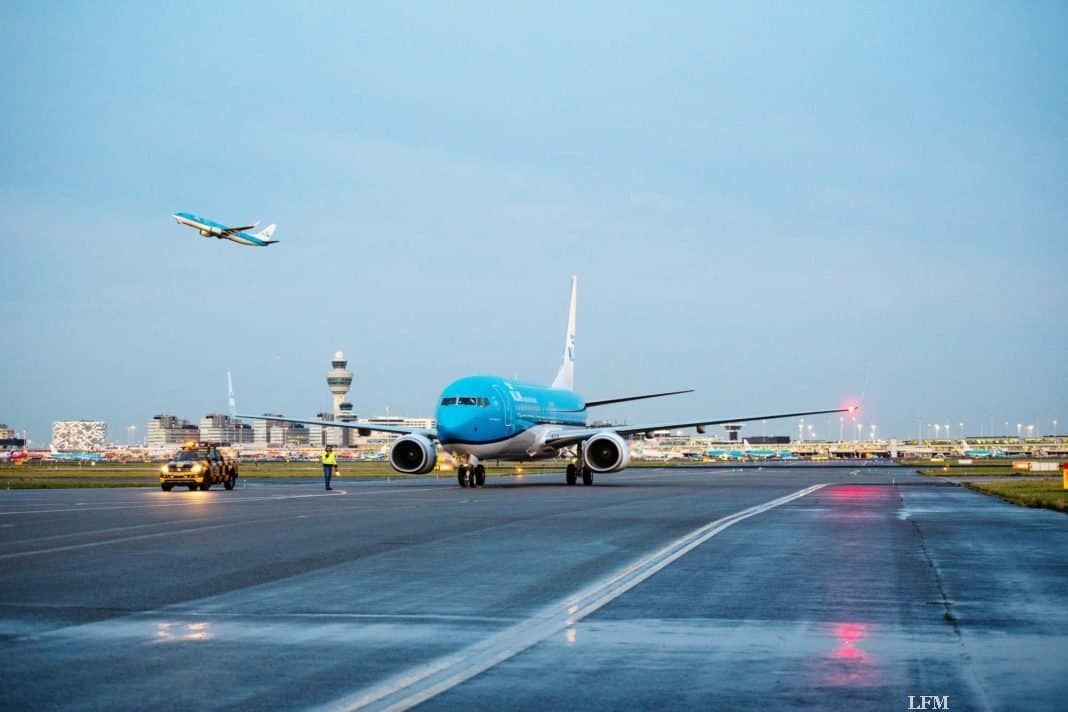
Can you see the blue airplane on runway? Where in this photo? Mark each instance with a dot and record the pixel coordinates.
(488, 417)
(210, 228)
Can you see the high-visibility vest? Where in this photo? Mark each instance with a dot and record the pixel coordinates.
(329, 458)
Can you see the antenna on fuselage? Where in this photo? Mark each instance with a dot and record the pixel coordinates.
(565, 377)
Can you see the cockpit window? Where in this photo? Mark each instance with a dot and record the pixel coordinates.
(466, 400)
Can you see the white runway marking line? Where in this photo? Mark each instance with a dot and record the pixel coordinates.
(410, 688)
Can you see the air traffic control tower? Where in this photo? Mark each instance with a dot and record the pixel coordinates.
(338, 380)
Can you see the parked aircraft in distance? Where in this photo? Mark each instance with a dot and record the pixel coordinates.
(765, 454)
(74, 456)
(210, 228)
(721, 454)
(978, 453)
(488, 417)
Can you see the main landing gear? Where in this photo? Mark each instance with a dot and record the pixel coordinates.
(573, 472)
(471, 475)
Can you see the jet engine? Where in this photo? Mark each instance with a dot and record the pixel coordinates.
(606, 452)
(413, 455)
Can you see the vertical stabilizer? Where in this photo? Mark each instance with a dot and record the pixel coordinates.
(565, 377)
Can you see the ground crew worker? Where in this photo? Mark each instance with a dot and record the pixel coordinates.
(329, 460)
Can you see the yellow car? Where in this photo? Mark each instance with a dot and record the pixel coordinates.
(199, 465)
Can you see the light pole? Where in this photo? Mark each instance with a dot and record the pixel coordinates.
(1018, 426)
(841, 426)
(812, 432)
(860, 429)
(129, 434)
(801, 430)
(873, 429)
(1030, 432)
(765, 429)
(938, 428)
(962, 430)
(1054, 428)
(947, 431)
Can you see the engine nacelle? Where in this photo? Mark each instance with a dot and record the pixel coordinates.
(606, 452)
(206, 233)
(413, 455)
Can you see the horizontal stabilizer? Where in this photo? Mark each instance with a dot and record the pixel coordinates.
(591, 404)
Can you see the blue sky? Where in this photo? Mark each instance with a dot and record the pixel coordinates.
(782, 205)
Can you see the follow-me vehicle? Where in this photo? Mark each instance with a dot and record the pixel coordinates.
(200, 465)
(488, 417)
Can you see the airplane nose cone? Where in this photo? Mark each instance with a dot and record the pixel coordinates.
(450, 422)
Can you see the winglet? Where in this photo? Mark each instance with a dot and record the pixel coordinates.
(565, 377)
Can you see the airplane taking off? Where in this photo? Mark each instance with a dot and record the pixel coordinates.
(489, 417)
(210, 228)
(978, 454)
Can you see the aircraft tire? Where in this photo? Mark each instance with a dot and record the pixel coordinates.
(587, 476)
(461, 475)
(572, 474)
(480, 476)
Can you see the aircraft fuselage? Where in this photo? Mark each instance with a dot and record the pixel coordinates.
(491, 417)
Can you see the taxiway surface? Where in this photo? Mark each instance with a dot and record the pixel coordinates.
(777, 587)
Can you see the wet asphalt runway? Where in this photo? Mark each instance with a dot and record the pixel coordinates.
(665, 588)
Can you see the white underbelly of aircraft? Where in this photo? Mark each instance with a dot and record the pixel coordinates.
(527, 445)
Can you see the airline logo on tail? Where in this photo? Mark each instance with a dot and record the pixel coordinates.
(565, 377)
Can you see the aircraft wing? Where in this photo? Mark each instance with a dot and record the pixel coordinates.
(569, 436)
(353, 425)
(242, 228)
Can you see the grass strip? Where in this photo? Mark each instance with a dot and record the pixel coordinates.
(1047, 493)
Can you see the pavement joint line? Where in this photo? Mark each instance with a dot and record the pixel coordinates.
(417, 685)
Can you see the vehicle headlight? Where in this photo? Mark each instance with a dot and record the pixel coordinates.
(163, 470)
(196, 469)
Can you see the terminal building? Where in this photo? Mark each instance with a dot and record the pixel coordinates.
(79, 435)
(165, 431)
(276, 434)
(221, 428)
